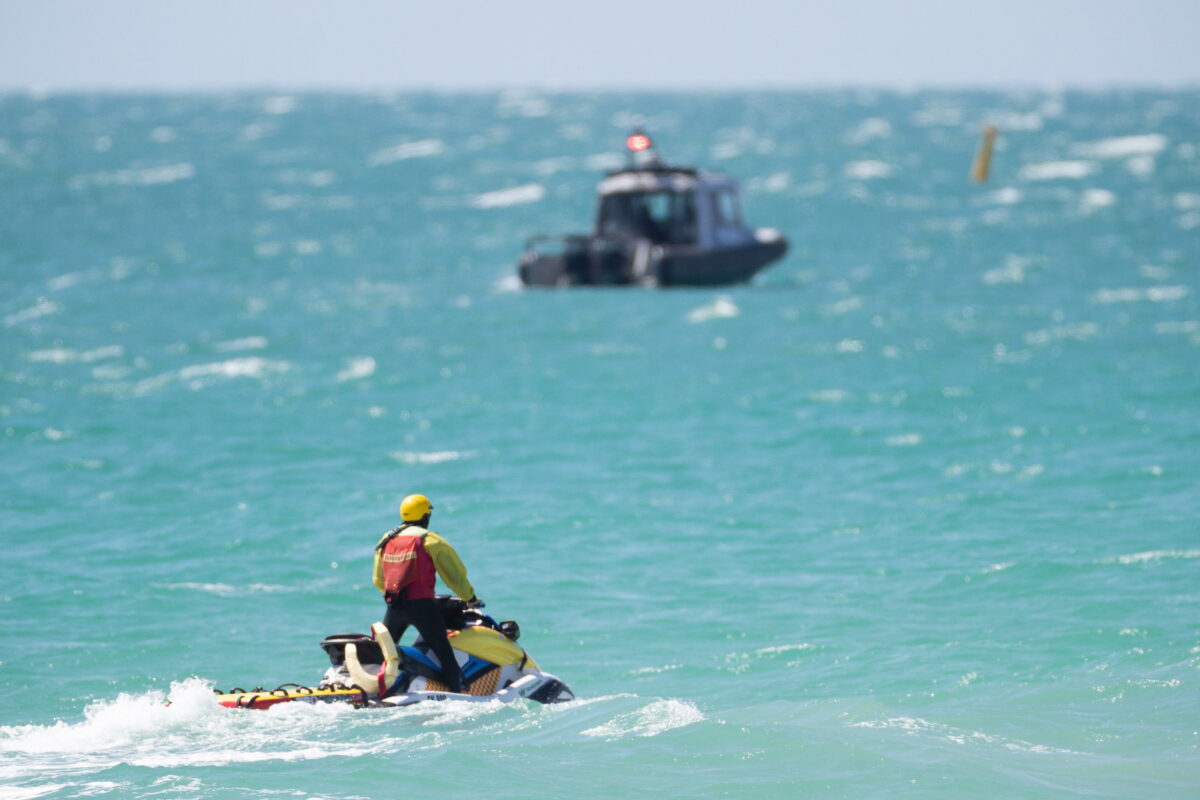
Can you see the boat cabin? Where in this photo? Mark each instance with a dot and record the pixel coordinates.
(671, 206)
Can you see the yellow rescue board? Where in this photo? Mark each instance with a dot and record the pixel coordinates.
(309, 694)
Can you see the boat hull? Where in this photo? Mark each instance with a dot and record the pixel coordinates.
(591, 261)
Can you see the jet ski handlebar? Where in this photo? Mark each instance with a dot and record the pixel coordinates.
(457, 615)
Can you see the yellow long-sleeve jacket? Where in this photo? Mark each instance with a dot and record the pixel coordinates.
(447, 563)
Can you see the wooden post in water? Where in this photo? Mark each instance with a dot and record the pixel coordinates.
(983, 159)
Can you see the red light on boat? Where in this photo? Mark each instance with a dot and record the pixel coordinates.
(638, 142)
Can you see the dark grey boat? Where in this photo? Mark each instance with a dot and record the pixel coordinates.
(656, 225)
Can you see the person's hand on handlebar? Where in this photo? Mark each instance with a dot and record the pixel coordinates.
(475, 602)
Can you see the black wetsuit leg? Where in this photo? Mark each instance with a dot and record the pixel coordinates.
(424, 616)
(395, 621)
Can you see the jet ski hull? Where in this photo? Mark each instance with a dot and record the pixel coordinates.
(541, 687)
(371, 672)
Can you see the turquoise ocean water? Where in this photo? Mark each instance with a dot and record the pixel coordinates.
(912, 515)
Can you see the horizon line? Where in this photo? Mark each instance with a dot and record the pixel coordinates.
(42, 90)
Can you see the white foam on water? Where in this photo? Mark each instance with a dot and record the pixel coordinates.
(42, 308)
(780, 649)
(111, 725)
(66, 355)
(1140, 165)
(110, 372)
(654, 670)
(245, 343)
(436, 457)
(13, 157)
(97, 788)
(1057, 170)
(723, 151)
(868, 170)
(1153, 555)
(65, 281)
(1154, 272)
(937, 116)
(903, 440)
(1186, 201)
(522, 103)
(651, 720)
(145, 176)
(1012, 272)
(773, 183)
(844, 306)
(1179, 326)
(1079, 332)
(29, 792)
(257, 130)
(249, 367)
(829, 396)
(1124, 146)
(200, 375)
(1007, 196)
(503, 198)
(916, 726)
(549, 166)
(422, 148)
(508, 284)
(357, 368)
(185, 727)
(870, 129)
(227, 590)
(1094, 199)
(721, 308)
(1016, 120)
(1154, 294)
(1030, 472)
(280, 104)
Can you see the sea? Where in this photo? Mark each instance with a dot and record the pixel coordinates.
(913, 514)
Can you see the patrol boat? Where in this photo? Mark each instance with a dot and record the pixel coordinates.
(656, 225)
(372, 672)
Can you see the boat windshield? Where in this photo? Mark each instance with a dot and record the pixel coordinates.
(663, 217)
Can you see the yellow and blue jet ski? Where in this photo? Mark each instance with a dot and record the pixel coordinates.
(372, 672)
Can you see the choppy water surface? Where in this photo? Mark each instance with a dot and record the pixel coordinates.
(913, 515)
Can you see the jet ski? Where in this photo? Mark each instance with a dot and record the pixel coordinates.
(372, 672)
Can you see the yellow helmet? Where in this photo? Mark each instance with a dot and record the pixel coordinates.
(414, 508)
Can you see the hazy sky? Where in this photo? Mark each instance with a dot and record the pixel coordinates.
(205, 44)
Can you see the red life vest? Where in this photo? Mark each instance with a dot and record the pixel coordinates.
(407, 567)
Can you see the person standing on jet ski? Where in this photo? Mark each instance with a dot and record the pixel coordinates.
(408, 560)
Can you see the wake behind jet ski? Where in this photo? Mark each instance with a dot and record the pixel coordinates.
(656, 225)
(371, 672)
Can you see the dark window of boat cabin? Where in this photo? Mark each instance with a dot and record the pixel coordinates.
(662, 217)
(728, 209)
